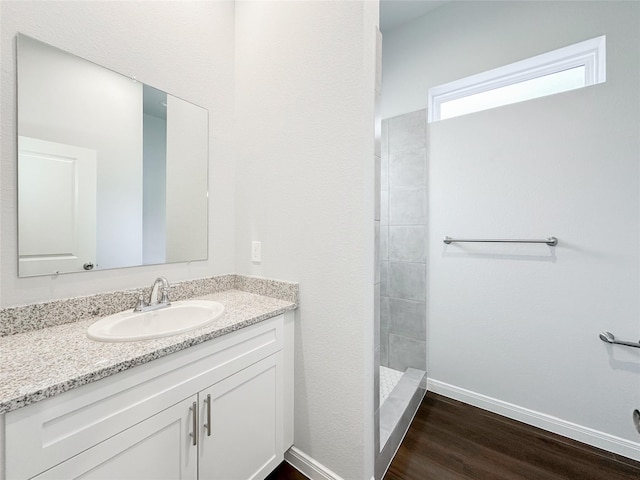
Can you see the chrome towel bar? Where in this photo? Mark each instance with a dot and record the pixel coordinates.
(608, 337)
(551, 241)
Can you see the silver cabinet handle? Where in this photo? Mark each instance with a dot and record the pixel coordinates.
(208, 424)
(194, 435)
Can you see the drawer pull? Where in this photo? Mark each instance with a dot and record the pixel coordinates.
(194, 435)
(208, 424)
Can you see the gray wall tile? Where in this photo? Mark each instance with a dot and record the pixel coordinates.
(408, 168)
(406, 352)
(377, 127)
(407, 281)
(384, 140)
(376, 424)
(407, 318)
(384, 351)
(384, 157)
(384, 243)
(376, 214)
(401, 244)
(384, 278)
(384, 173)
(384, 331)
(407, 132)
(384, 208)
(407, 206)
(407, 243)
(376, 378)
(376, 251)
(385, 318)
(376, 315)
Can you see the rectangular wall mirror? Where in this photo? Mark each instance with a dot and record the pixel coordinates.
(112, 173)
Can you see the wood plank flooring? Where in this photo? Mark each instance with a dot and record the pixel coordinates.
(286, 472)
(452, 440)
(449, 440)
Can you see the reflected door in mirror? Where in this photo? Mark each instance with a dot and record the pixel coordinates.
(57, 201)
(150, 203)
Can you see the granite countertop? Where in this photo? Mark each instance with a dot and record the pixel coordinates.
(42, 363)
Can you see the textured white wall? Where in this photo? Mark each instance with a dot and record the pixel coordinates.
(184, 48)
(305, 188)
(520, 324)
(304, 111)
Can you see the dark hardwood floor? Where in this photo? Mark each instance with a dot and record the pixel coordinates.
(452, 440)
(286, 472)
(449, 440)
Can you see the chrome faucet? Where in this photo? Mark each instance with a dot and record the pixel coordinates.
(153, 303)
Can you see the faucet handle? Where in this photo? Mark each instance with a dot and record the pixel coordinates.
(140, 303)
(165, 295)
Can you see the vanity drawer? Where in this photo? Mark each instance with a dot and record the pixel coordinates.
(46, 433)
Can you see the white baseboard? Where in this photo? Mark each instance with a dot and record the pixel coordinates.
(308, 466)
(580, 433)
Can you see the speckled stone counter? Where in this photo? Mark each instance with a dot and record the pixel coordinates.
(38, 364)
(21, 319)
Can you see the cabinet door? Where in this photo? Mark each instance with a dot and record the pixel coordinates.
(246, 436)
(158, 448)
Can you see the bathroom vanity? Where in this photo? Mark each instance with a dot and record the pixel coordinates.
(215, 403)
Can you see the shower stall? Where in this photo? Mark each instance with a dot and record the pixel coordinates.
(402, 299)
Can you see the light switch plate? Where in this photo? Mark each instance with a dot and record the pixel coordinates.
(256, 252)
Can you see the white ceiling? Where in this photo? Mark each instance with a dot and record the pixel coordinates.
(397, 12)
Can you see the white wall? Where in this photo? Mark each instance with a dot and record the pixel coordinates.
(515, 328)
(304, 116)
(305, 182)
(184, 48)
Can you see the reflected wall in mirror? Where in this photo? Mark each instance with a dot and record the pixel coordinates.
(111, 172)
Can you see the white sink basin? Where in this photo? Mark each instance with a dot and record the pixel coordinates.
(180, 317)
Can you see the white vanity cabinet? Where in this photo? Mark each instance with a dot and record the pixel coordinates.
(156, 448)
(245, 414)
(218, 410)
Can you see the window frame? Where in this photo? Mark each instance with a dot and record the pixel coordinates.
(589, 53)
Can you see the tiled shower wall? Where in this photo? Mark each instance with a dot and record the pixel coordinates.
(403, 236)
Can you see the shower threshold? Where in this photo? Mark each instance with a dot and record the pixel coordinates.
(397, 410)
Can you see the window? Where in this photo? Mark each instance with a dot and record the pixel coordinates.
(568, 68)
